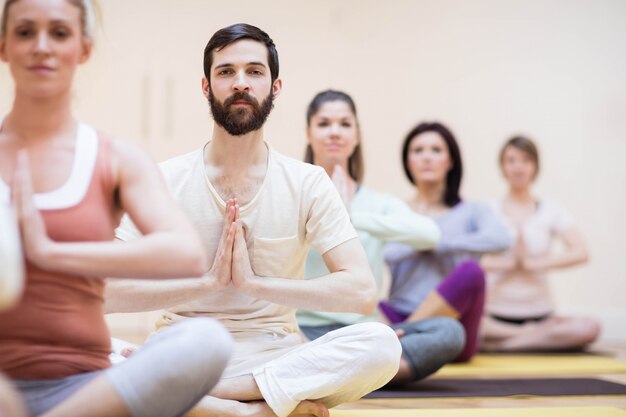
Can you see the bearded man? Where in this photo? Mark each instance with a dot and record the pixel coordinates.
(257, 212)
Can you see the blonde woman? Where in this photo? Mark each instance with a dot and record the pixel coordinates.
(69, 186)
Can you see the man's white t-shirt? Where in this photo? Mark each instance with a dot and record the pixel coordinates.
(296, 206)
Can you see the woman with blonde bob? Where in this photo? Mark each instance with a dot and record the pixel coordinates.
(519, 310)
(69, 186)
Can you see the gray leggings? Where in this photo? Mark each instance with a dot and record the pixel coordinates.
(427, 345)
(166, 377)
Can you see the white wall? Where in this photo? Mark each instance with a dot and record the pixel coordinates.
(487, 68)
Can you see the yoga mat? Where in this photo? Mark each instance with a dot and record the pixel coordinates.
(433, 388)
(544, 365)
(486, 412)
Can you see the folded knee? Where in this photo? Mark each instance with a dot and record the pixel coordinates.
(473, 277)
(437, 342)
(444, 330)
(454, 332)
(206, 340)
(589, 331)
(450, 335)
(384, 346)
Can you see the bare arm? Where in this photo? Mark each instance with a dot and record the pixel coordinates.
(498, 262)
(349, 287)
(169, 247)
(136, 295)
(11, 264)
(132, 295)
(575, 253)
(506, 260)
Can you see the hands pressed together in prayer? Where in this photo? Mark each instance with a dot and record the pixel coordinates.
(232, 260)
(515, 258)
(522, 259)
(37, 246)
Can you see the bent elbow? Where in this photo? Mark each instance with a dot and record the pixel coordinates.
(192, 261)
(434, 237)
(429, 237)
(367, 300)
(368, 306)
(197, 264)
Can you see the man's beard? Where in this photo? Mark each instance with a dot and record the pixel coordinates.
(242, 120)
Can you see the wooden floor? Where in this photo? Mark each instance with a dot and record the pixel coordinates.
(505, 402)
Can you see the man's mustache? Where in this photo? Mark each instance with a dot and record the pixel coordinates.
(240, 96)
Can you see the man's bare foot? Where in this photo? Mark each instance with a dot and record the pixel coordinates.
(218, 407)
(310, 409)
(239, 388)
(304, 409)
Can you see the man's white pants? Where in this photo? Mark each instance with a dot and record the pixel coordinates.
(339, 367)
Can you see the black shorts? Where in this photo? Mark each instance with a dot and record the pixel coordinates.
(520, 321)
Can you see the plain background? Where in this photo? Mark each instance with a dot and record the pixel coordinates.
(554, 70)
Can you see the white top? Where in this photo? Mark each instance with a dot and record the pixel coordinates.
(296, 205)
(519, 293)
(74, 190)
(71, 193)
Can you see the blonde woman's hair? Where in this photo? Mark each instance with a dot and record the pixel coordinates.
(87, 17)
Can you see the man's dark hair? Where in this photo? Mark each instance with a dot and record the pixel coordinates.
(231, 34)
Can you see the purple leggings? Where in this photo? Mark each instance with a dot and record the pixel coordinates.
(464, 290)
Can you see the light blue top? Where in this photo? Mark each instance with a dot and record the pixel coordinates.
(468, 230)
(378, 218)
